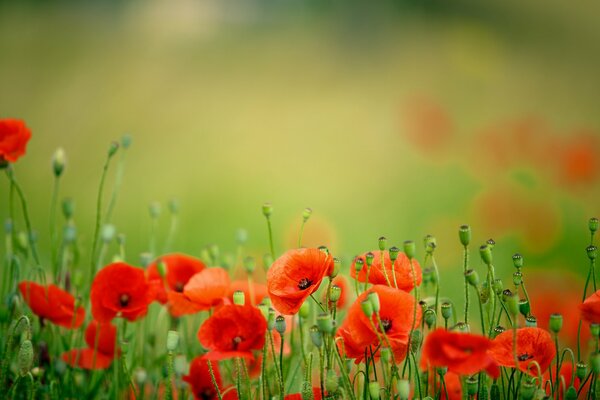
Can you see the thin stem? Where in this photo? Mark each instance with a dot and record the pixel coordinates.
(53, 244)
(270, 237)
(98, 214)
(214, 380)
(465, 269)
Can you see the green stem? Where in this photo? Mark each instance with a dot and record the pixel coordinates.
(465, 269)
(98, 215)
(53, 244)
(214, 380)
(270, 237)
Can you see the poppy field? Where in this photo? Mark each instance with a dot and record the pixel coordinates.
(89, 320)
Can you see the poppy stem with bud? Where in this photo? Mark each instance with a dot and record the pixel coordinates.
(267, 210)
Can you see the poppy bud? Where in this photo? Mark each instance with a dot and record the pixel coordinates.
(382, 243)
(385, 354)
(592, 252)
(581, 370)
(430, 244)
(472, 277)
(316, 336)
(22, 241)
(267, 210)
(108, 233)
(442, 371)
(146, 259)
(25, 357)
(280, 324)
(154, 209)
(517, 260)
(531, 321)
(112, 148)
(595, 329)
(68, 208)
(358, 265)
(593, 224)
(337, 264)
(306, 213)
(267, 260)
(367, 307)
(58, 162)
(335, 292)
(429, 317)
(472, 384)
(517, 278)
(325, 323)
(527, 390)
(498, 286)
(374, 390)
(126, 141)
(571, 393)
(271, 319)
(491, 243)
(486, 254)
(464, 234)
(404, 389)
(369, 258)
(446, 310)
(264, 309)
(304, 311)
(239, 298)
(374, 299)
(556, 322)
(524, 307)
(140, 376)
(249, 265)
(394, 253)
(415, 341)
(331, 381)
(595, 362)
(410, 249)
(172, 340)
(241, 236)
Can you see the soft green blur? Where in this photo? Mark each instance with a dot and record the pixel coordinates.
(371, 115)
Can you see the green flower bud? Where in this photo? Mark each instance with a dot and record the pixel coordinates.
(325, 323)
(126, 141)
(374, 299)
(331, 381)
(382, 243)
(68, 208)
(307, 392)
(369, 258)
(593, 224)
(374, 390)
(154, 208)
(306, 214)
(446, 310)
(410, 249)
(464, 234)
(241, 236)
(592, 252)
(517, 278)
(280, 324)
(264, 309)
(385, 354)
(556, 322)
(415, 341)
(581, 370)
(249, 265)
(429, 317)
(595, 362)
(404, 389)
(430, 244)
(394, 253)
(267, 210)
(172, 340)
(271, 319)
(108, 233)
(358, 265)
(25, 357)
(531, 321)
(304, 311)
(498, 286)
(512, 302)
(472, 277)
(367, 307)
(112, 149)
(517, 260)
(472, 386)
(524, 307)
(239, 298)
(316, 336)
(486, 254)
(595, 330)
(335, 292)
(22, 241)
(337, 264)
(58, 162)
(491, 243)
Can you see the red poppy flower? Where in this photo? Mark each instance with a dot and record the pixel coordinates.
(200, 380)
(207, 288)
(85, 358)
(14, 136)
(296, 275)
(259, 291)
(121, 290)
(396, 313)
(179, 268)
(462, 353)
(590, 308)
(52, 303)
(377, 274)
(298, 396)
(533, 344)
(233, 331)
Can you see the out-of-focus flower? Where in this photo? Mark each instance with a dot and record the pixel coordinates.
(178, 269)
(577, 159)
(533, 344)
(201, 383)
(296, 275)
(120, 290)
(427, 125)
(204, 290)
(14, 136)
(233, 331)
(105, 334)
(53, 304)
(590, 308)
(377, 275)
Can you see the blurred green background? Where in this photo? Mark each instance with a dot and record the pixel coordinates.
(397, 118)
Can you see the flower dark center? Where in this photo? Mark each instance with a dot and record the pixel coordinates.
(525, 357)
(236, 341)
(124, 300)
(304, 283)
(386, 324)
(206, 394)
(179, 287)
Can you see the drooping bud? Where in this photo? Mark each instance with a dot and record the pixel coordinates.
(404, 389)
(382, 243)
(337, 265)
(25, 357)
(316, 336)
(593, 224)
(172, 340)
(472, 277)
(464, 234)
(446, 310)
(325, 323)
(58, 162)
(367, 307)
(410, 249)
(531, 321)
(306, 213)
(239, 298)
(267, 210)
(592, 252)
(517, 260)
(394, 253)
(335, 292)
(524, 307)
(280, 324)
(486, 254)
(556, 322)
(374, 390)
(374, 299)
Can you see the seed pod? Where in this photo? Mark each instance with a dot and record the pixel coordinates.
(394, 253)
(369, 258)
(337, 265)
(571, 393)
(249, 265)
(556, 322)
(593, 224)
(367, 308)
(58, 161)
(239, 298)
(416, 339)
(430, 244)
(280, 324)
(410, 249)
(358, 265)
(498, 330)
(429, 317)
(472, 277)
(316, 336)
(267, 209)
(446, 310)
(472, 384)
(531, 321)
(464, 234)
(517, 278)
(592, 252)
(325, 323)
(595, 330)
(382, 242)
(335, 292)
(517, 260)
(581, 370)
(306, 213)
(112, 148)
(486, 254)
(374, 390)
(374, 299)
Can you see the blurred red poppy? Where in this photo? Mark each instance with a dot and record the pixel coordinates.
(207, 288)
(533, 344)
(233, 331)
(296, 275)
(14, 136)
(396, 314)
(590, 308)
(85, 358)
(120, 290)
(53, 304)
(200, 380)
(462, 353)
(377, 274)
(178, 269)
(298, 396)
(258, 290)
